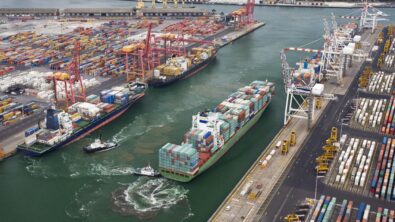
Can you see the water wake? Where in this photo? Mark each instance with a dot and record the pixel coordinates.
(84, 200)
(145, 198)
(136, 128)
(97, 169)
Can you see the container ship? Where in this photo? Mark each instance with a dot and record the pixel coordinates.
(60, 128)
(182, 67)
(214, 132)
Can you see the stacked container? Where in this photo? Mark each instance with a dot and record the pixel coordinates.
(369, 114)
(381, 83)
(389, 120)
(354, 162)
(382, 184)
(175, 158)
(200, 140)
(115, 95)
(195, 27)
(11, 111)
(211, 130)
(327, 209)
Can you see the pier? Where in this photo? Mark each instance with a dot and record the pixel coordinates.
(264, 181)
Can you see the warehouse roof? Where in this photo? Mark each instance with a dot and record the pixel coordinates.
(98, 10)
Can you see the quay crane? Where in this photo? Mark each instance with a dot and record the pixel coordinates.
(142, 57)
(368, 18)
(244, 15)
(70, 95)
(302, 84)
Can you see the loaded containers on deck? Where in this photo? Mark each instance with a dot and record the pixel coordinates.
(214, 132)
(182, 67)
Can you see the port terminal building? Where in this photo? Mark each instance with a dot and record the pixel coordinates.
(97, 12)
(32, 12)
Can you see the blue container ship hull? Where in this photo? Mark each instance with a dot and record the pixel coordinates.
(80, 133)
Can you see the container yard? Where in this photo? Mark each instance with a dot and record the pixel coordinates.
(382, 183)
(368, 113)
(380, 83)
(328, 124)
(329, 208)
(386, 59)
(46, 54)
(362, 165)
(12, 111)
(352, 167)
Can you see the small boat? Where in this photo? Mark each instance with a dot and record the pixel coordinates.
(99, 145)
(147, 171)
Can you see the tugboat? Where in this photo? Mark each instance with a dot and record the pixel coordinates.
(99, 145)
(147, 171)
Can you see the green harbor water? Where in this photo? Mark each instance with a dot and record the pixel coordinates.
(69, 185)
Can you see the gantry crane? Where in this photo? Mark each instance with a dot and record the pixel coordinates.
(244, 15)
(301, 86)
(368, 17)
(142, 57)
(302, 83)
(339, 49)
(69, 80)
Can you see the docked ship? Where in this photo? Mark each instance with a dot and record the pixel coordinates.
(214, 132)
(182, 67)
(60, 128)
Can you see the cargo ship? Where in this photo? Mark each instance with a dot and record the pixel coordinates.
(182, 67)
(60, 128)
(214, 132)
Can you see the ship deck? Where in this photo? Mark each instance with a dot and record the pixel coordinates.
(82, 123)
(269, 181)
(37, 147)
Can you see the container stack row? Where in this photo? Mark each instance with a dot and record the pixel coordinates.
(369, 114)
(390, 54)
(179, 158)
(199, 27)
(388, 126)
(354, 163)
(200, 140)
(46, 92)
(99, 49)
(389, 60)
(98, 105)
(6, 69)
(327, 209)
(381, 83)
(382, 184)
(11, 111)
(116, 95)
